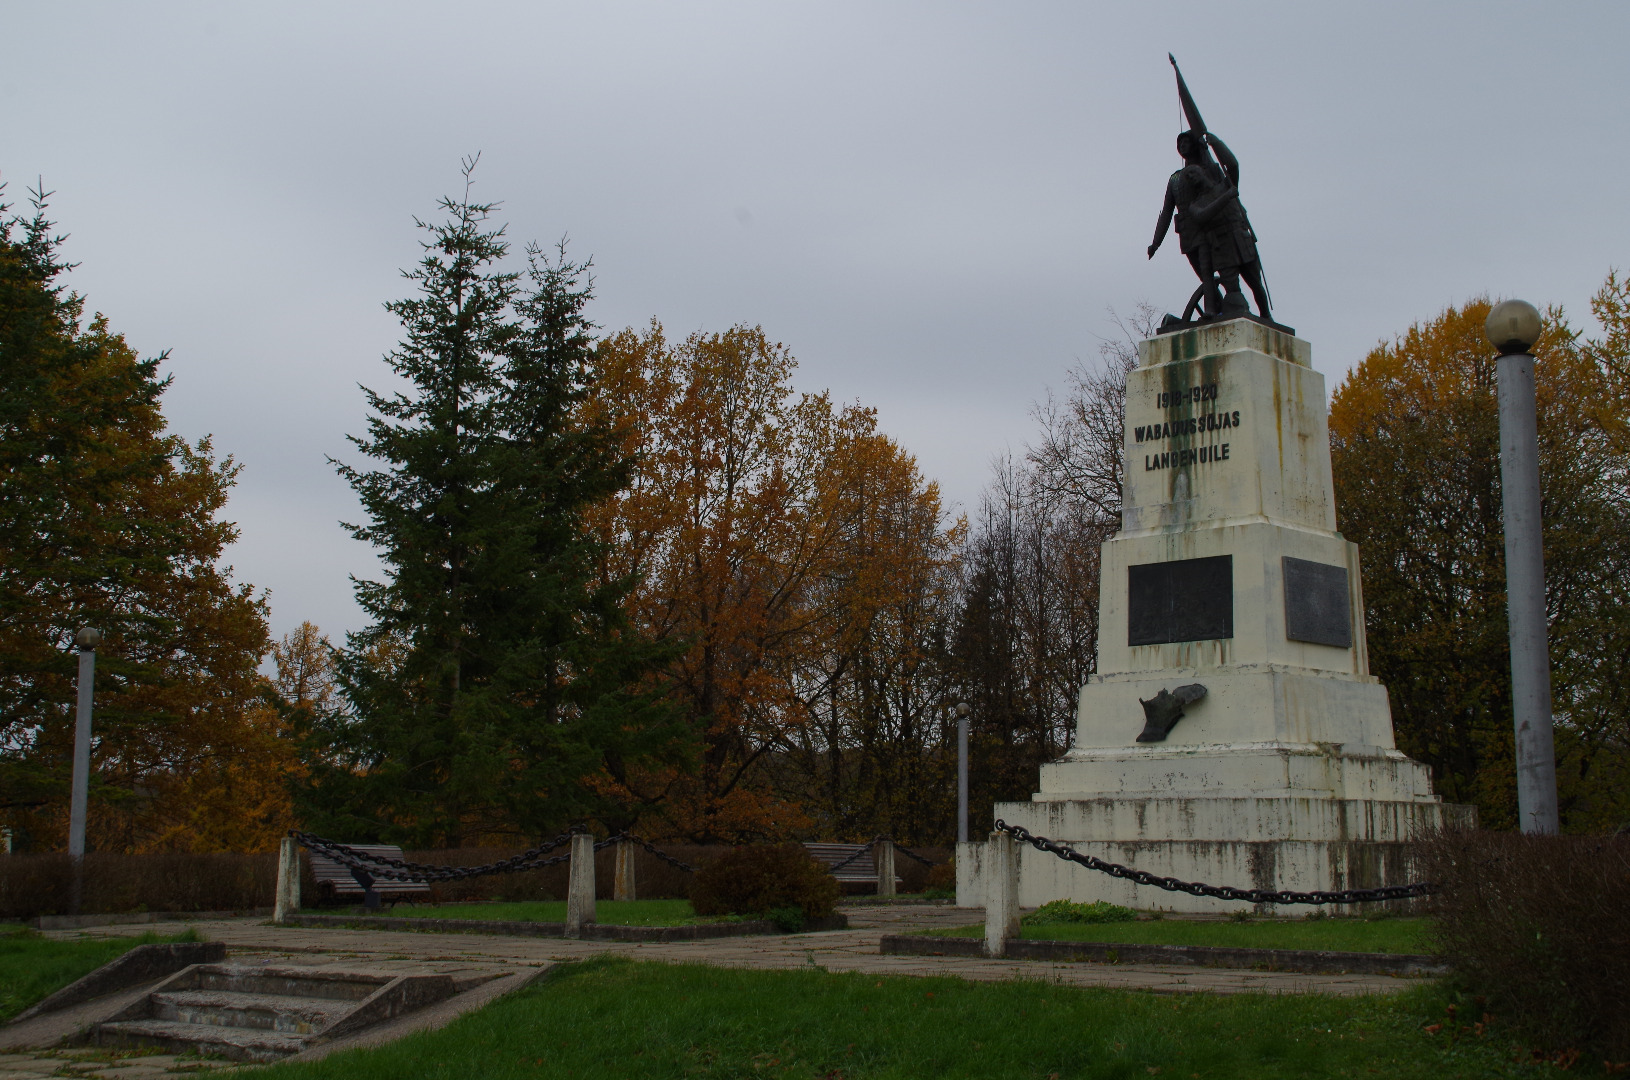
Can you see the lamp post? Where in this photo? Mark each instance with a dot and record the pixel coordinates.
(1513, 326)
(962, 711)
(87, 639)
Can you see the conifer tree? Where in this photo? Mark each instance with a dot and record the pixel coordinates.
(497, 677)
(107, 520)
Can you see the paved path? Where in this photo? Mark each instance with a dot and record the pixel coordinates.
(854, 949)
(837, 950)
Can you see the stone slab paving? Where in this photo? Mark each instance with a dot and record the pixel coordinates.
(854, 949)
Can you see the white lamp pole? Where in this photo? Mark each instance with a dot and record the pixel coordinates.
(1513, 327)
(87, 639)
(962, 711)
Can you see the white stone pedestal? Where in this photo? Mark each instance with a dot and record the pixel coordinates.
(1227, 572)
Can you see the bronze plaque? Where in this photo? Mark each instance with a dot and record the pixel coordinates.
(1182, 600)
(1318, 609)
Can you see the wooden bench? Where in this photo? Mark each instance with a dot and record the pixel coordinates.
(863, 871)
(336, 879)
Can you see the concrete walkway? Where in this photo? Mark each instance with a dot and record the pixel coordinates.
(854, 949)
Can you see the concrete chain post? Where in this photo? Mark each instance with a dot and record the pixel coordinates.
(580, 885)
(288, 881)
(1001, 893)
(883, 853)
(622, 887)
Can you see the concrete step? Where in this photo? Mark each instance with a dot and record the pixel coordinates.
(260, 1013)
(263, 1012)
(235, 1043)
(286, 982)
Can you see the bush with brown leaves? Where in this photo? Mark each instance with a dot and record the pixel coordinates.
(763, 878)
(1540, 925)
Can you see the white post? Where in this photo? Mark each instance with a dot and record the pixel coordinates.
(883, 857)
(962, 711)
(580, 885)
(87, 640)
(1001, 893)
(288, 881)
(79, 794)
(622, 887)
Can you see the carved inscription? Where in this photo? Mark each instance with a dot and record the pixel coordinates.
(1205, 427)
(1181, 600)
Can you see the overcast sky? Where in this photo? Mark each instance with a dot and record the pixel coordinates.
(935, 205)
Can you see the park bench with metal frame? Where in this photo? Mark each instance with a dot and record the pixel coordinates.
(846, 866)
(344, 883)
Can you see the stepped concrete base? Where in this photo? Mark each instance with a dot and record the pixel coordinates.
(259, 1013)
(1297, 842)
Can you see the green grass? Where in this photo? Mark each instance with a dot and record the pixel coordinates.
(32, 966)
(614, 1018)
(1337, 935)
(609, 912)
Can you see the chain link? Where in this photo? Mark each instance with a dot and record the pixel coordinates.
(381, 866)
(1220, 892)
(873, 842)
(402, 870)
(648, 846)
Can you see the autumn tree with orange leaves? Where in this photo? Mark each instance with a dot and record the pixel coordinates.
(796, 553)
(1415, 449)
(109, 520)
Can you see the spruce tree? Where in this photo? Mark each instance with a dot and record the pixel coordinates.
(576, 670)
(497, 675)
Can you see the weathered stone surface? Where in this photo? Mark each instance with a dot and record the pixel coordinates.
(1286, 775)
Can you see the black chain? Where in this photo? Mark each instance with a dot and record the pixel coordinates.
(908, 853)
(1220, 892)
(648, 846)
(873, 842)
(402, 870)
(835, 867)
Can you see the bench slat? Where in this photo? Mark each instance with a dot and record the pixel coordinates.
(325, 869)
(862, 871)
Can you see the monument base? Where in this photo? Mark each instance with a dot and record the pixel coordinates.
(1307, 831)
(1229, 595)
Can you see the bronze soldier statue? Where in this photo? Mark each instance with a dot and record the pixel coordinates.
(1213, 230)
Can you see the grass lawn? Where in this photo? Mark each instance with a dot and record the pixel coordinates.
(609, 912)
(32, 966)
(1337, 935)
(615, 1018)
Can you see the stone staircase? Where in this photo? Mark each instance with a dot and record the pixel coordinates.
(260, 1013)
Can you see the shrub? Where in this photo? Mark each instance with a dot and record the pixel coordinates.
(760, 879)
(1055, 912)
(1536, 924)
(941, 876)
